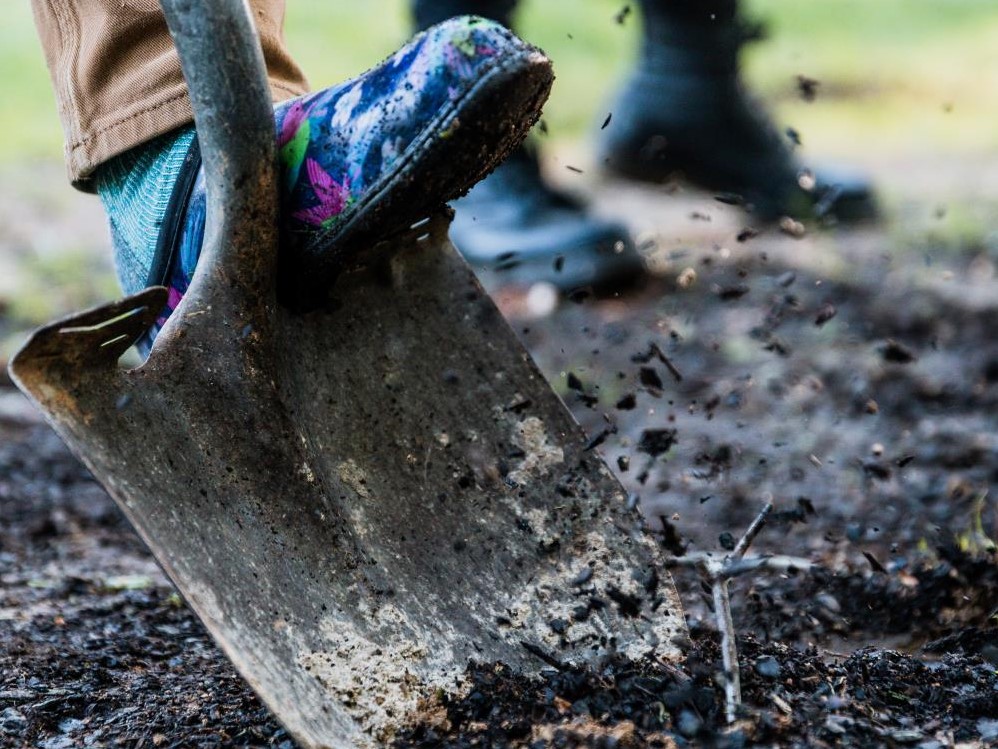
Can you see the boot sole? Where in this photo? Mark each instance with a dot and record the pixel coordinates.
(460, 147)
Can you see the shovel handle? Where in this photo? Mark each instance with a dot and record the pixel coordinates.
(223, 65)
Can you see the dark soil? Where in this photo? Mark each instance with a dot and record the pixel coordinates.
(861, 400)
(795, 698)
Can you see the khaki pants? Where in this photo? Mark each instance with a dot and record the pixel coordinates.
(117, 76)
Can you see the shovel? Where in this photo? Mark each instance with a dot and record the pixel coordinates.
(358, 501)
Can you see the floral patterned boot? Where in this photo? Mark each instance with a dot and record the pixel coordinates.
(376, 154)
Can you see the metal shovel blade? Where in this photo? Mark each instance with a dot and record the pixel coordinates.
(360, 500)
(358, 503)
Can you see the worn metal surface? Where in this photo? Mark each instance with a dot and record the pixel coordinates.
(356, 501)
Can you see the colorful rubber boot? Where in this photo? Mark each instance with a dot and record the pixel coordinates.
(516, 228)
(684, 111)
(358, 161)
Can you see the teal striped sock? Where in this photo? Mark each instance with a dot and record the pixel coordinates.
(135, 189)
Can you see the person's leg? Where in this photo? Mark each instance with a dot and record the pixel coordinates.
(684, 110)
(126, 116)
(358, 161)
(515, 227)
(117, 77)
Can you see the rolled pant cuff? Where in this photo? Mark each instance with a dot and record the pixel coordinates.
(146, 120)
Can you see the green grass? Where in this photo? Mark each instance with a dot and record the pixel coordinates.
(28, 118)
(897, 76)
(51, 284)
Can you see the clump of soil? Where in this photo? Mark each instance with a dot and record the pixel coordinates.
(792, 698)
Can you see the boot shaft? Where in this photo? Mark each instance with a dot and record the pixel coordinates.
(691, 37)
(426, 13)
(704, 12)
(698, 37)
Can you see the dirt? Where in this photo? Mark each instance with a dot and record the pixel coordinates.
(872, 429)
(795, 698)
(853, 386)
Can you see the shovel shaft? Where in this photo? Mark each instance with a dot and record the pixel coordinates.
(224, 68)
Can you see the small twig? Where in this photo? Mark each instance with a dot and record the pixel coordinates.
(669, 364)
(717, 571)
(752, 532)
(740, 567)
(712, 566)
(682, 678)
(703, 560)
(539, 652)
(729, 648)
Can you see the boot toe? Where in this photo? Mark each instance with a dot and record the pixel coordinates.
(843, 195)
(566, 248)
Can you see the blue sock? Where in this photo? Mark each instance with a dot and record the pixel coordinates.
(135, 189)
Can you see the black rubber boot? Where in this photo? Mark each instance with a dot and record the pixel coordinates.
(426, 13)
(683, 111)
(515, 228)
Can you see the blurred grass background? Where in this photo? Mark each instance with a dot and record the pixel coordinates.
(896, 76)
(908, 92)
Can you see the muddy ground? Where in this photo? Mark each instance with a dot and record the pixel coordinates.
(852, 381)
